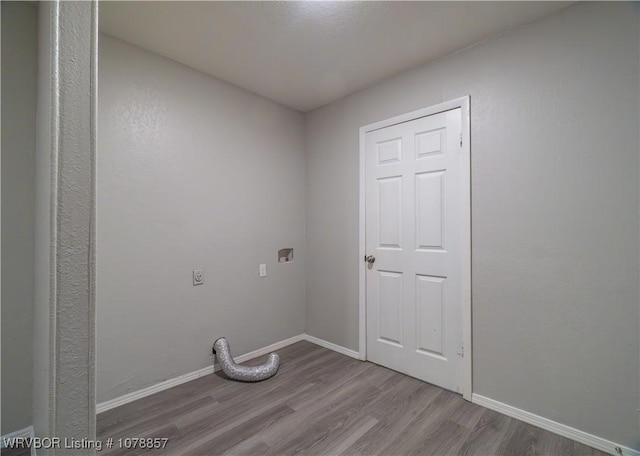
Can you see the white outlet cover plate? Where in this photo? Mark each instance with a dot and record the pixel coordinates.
(263, 270)
(198, 277)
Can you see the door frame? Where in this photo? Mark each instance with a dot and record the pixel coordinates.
(465, 243)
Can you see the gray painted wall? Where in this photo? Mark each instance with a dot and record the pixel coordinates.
(193, 173)
(555, 194)
(42, 393)
(19, 83)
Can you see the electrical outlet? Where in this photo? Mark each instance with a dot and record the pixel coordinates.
(263, 270)
(198, 277)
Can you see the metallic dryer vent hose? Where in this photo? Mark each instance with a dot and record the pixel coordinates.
(244, 373)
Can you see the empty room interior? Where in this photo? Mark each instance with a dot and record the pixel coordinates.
(429, 211)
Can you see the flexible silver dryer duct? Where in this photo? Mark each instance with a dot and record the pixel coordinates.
(244, 373)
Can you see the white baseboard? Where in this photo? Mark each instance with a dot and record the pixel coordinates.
(555, 427)
(156, 388)
(332, 346)
(26, 433)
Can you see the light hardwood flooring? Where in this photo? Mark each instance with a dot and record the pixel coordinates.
(324, 403)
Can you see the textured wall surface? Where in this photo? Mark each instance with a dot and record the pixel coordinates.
(75, 224)
(64, 344)
(206, 176)
(19, 83)
(555, 198)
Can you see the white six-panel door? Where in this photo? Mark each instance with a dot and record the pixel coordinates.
(415, 222)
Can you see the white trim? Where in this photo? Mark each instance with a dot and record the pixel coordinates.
(553, 426)
(332, 346)
(362, 271)
(465, 248)
(463, 104)
(26, 433)
(156, 388)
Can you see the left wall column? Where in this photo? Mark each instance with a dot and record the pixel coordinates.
(64, 317)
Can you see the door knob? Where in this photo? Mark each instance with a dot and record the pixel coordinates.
(370, 259)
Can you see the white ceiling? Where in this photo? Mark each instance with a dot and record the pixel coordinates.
(306, 54)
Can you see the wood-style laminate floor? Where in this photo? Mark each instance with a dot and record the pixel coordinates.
(324, 403)
(15, 452)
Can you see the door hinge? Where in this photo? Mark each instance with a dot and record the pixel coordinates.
(461, 352)
(460, 139)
